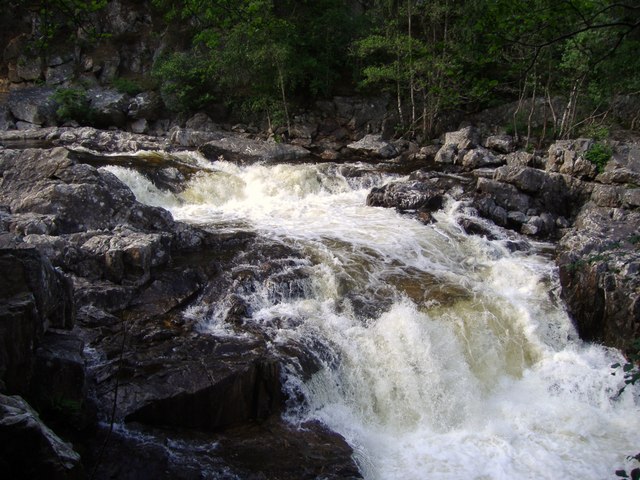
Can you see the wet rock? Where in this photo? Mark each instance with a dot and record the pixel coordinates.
(30, 449)
(599, 262)
(424, 191)
(78, 196)
(59, 384)
(35, 297)
(240, 149)
(189, 138)
(375, 146)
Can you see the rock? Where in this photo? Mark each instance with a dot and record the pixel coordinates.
(29, 68)
(30, 449)
(567, 156)
(505, 195)
(33, 105)
(240, 149)
(523, 159)
(145, 105)
(480, 158)
(457, 144)
(6, 119)
(139, 126)
(201, 122)
(109, 107)
(60, 74)
(424, 191)
(500, 143)
(59, 386)
(188, 138)
(599, 263)
(78, 196)
(34, 297)
(375, 146)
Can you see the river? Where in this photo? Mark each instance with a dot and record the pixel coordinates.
(444, 355)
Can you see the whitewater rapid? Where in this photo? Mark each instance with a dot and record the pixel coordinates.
(462, 362)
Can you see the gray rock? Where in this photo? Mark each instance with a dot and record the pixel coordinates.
(236, 148)
(34, 297)
(33, 105)
(139, 126)
(30, 449)
(201, 122)
(61, 74)
(6, 119)
(184, 137)
(600, 284)
(145, 105)
(109, 106)
(567, 156)
(29, 68)
(480, 158)
(375, 146)
(457, 144)
(500, 143)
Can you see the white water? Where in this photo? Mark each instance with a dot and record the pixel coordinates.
(469, 369)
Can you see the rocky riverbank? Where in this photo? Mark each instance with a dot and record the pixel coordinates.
(97, 290)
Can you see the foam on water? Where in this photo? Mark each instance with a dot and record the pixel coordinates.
(470, 368)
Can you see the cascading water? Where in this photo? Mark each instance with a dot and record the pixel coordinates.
(442, 355)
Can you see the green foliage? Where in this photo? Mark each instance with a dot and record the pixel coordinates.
(187, 81)
(59, 19)
(128, 86)
(599, 154)
(73, 105)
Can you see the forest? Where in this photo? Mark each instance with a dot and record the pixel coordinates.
(271, 57)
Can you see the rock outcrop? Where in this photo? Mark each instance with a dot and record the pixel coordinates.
(76, 240)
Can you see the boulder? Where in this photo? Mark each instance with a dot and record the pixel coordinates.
(6, 119)
(30, 449)
(60, 74)
(241, 149)
(500, 143)
(109, 107)
(33, 105)
(568, 157)
(599, 272)
(375, 146)
(34, 297)
(29, 68)
(457, 144)
(145, 105)
(59, 384)
(77, 196)
(480, 158)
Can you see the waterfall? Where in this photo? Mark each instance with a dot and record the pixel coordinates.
(442, 355)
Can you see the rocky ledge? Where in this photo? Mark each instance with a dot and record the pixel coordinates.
(97, 334)
(103, 297)
(592, 215)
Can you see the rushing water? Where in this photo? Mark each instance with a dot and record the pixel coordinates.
(444, 355)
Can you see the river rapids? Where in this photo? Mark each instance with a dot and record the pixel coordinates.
(443, 355)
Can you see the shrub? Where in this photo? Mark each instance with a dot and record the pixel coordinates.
(128, 86)
(599, 154)
(73, 105)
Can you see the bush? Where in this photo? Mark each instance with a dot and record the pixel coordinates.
(127, 85)
(73, 105)
(599, 154)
